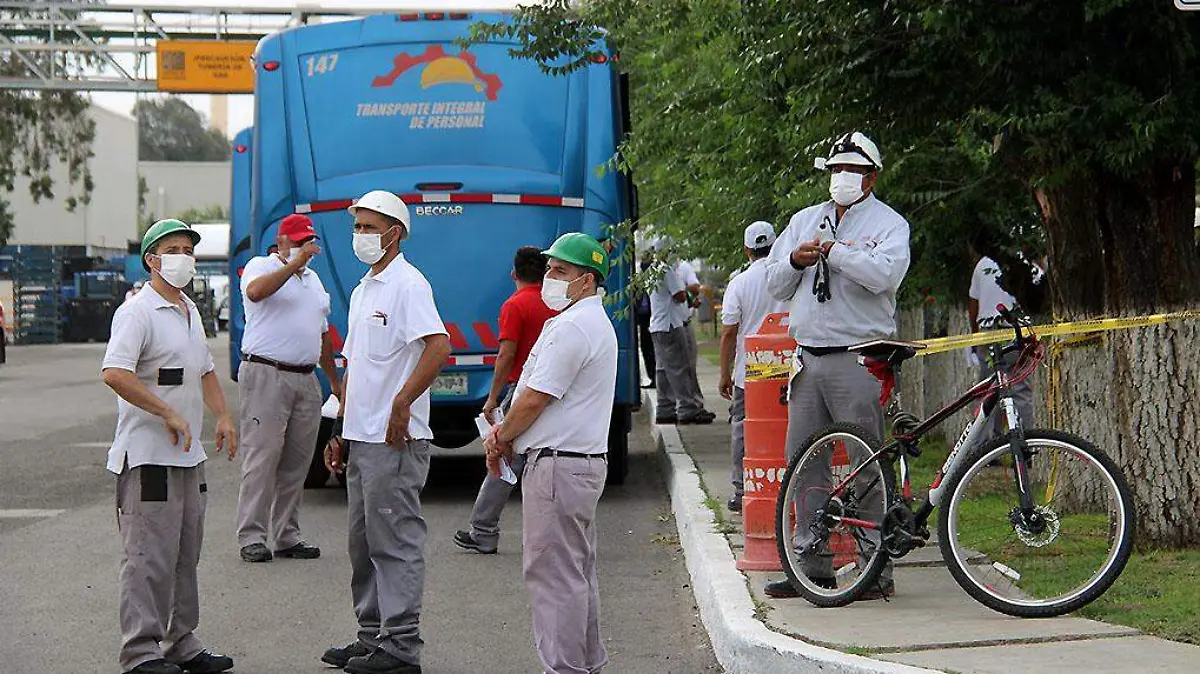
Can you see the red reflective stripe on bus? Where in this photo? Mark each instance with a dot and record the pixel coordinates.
(457, 339)
(537, 200)
(453, 198)
(471, 198)
(486, 336)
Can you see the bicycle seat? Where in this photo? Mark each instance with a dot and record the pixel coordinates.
(889, 351)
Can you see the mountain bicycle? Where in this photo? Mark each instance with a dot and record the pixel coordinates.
(1034, 523)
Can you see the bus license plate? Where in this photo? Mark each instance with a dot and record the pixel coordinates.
(449, 385)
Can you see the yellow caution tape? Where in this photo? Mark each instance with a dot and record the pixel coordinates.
(765, 371)
(943, 344)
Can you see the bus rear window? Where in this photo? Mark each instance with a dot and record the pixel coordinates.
(392, 106)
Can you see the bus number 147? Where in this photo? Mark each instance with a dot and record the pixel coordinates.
(322, 65)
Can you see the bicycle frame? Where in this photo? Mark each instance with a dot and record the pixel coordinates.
(990, 392)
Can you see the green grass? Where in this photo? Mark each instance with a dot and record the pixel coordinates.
(1157, 593)
(711, 351)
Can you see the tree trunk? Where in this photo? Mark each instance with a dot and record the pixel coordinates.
(1124, 247)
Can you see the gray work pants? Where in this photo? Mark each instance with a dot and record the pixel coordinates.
(160, 515)
(693, 351)
(1022, 395)
(558, 507)
(493, 495)
(387, 544)
(678, 393)
(737, 440)
(280, 418)
(832, 388)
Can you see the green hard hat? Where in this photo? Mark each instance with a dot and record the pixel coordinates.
(580, 250)
(164, 228)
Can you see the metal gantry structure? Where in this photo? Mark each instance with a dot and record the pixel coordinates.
(90, 45)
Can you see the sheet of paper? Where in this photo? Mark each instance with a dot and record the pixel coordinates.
(506, 472)
(330, 409)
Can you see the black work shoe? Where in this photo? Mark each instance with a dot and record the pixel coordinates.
(466, 541)
(666, 421)
(734, 505)
(301, 550)
(256, 552)
(699, 420)
(380, 662)
(207, 663)
(781, 589)
(338, 657)
(156, 667)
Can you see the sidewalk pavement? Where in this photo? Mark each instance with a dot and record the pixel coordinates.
(930, 625)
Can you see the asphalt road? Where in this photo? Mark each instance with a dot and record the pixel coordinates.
(59, 553)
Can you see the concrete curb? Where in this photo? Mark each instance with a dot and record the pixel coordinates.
(742, 644)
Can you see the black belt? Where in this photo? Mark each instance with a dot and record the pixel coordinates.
(298, 369)
(568, 455)
(819, 351)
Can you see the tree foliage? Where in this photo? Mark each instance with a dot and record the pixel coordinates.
(171, 130)
(986, 112)
(41, 131)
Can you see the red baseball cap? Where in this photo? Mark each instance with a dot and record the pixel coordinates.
(298, 228)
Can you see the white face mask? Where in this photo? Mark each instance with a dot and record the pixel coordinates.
(555, 293)
(177, 269)
(846, 187)
(369, 247)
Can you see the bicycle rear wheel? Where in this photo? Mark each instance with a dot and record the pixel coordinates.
(829, 538)
(1057, 559)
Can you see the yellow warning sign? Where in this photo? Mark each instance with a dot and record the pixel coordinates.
(205, 66)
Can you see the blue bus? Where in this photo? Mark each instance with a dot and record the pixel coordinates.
(489, 152)
(240, 251)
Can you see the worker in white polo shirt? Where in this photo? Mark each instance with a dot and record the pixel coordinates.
(158, 363)
(286, 334)
(559, 420)
(743, 309)
(840, 264)
(395, 346)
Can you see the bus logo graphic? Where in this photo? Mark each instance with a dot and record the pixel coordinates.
(441, 68)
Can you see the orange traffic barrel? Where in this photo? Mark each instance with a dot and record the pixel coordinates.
(768, 373)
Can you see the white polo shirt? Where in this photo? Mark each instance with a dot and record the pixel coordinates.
(985, 288)
(687, 275)
(575, 362)
(867, 265)
(746, 304)
(287, 326)
(664, 316)
(390, 315)
(153, 338)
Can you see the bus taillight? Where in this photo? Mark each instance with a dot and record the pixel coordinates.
(271, 66)
(410, 17)
(434, 16)
(240, 149)
(599, 58)
(458, 16)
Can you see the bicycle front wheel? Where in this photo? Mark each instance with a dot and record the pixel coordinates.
(829, 528)
(1053, 560)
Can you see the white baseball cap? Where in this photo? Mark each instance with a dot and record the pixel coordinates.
(382, 201)
(759, 235)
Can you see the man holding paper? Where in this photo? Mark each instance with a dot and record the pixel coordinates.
(559, 422)
(287, 334)
(522, 318)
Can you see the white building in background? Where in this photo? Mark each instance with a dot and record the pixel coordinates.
(106, 224)
(176, 186)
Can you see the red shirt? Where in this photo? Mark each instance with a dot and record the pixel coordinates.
(521, 321)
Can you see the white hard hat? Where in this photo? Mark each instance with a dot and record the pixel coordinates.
(382, 201)
(854, 149)
(759, 235)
